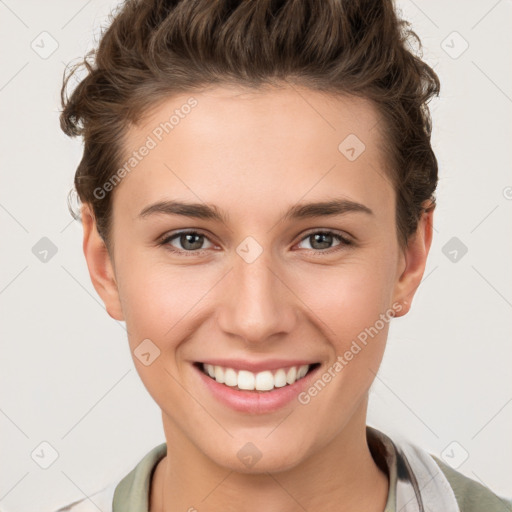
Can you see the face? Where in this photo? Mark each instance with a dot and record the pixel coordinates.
(248, 277)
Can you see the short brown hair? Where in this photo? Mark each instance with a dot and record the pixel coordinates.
(156, 48)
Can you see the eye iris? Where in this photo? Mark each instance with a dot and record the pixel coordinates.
(319, 240)
(185, 239)
(324, 244)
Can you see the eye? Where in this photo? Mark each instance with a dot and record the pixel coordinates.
(321, 241)
(190, 241)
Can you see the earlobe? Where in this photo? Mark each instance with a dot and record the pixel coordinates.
(415, 257)
(100, 265)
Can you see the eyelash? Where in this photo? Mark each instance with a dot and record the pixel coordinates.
(344, 242)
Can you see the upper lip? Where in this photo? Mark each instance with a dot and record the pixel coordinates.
(257, 366)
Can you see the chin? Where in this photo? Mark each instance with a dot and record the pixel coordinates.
(246, 457)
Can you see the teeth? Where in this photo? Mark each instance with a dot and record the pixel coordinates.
(210, 369)
(245, 379)
(291, 376)
(264, 381)
(261, 381)
(230, 377)
(301, 372)
(219, 374)
(280, 378)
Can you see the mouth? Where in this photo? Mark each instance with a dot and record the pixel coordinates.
(264, 381)
(255, 387)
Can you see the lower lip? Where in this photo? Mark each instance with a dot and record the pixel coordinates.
(255, 402)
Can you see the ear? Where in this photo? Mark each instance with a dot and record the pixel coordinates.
(100, 265)
(414, 261)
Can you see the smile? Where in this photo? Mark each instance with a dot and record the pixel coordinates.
(254, 387)
(267, 380)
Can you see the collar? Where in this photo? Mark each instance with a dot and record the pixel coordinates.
(416, 482)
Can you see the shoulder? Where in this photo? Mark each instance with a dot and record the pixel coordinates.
(422, 475)
(471, 495)
(131, 489)
(100, 500)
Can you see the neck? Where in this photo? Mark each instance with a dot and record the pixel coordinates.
(342, 476)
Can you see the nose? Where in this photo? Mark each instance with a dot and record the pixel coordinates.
(257, 301)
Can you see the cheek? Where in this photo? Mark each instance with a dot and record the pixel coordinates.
(352, 306)
(161, 304)
(350, 297)
(159, 299)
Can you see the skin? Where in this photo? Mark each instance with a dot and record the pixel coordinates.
(254, 154)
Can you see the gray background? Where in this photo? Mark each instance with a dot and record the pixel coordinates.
(67, 377)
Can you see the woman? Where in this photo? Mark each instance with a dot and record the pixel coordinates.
(257, 190)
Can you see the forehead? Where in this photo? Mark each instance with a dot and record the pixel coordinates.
(244, 147)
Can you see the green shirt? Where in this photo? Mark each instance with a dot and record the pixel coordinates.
(131, 494)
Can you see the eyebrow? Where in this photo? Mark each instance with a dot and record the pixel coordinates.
(211, 212)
